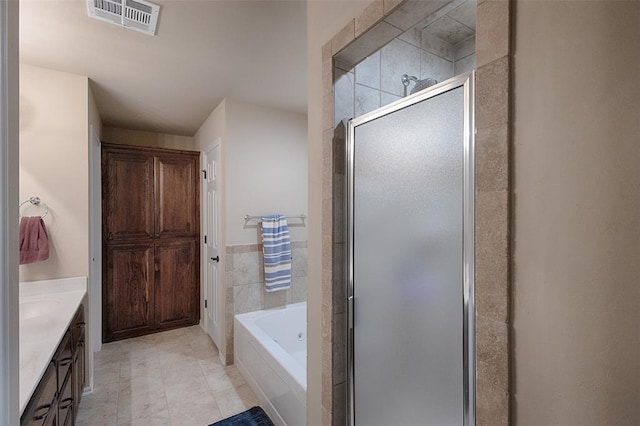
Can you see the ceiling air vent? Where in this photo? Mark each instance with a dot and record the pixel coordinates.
(137, 15)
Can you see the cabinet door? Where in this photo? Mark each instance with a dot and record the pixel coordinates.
(177, 283)
(65, 402)
(77, 334)
(127, 194)
(78, 374)
(177, 196)
(64, 359)
(128, 291)
(42, 408)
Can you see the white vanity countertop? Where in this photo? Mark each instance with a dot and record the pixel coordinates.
(46, 310)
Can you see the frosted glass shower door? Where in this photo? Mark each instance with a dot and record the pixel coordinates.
(410, 261)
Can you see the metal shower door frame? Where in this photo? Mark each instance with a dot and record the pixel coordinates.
(467, 82)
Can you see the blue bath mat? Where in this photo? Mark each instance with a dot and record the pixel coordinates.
(254, 416)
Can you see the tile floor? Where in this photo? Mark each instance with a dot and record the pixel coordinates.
(172, 378)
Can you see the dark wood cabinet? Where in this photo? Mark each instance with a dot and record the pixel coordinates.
(176, 301)
(42, 409)
(176, 185)
(151, 227)
(56, 398)
(79, 358)
(128, 196)
(128, 290)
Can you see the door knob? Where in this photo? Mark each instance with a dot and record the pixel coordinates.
(216, 259)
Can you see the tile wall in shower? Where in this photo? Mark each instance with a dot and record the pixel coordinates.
(440, 48)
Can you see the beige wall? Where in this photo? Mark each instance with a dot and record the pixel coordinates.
(54, 166)
(94, 116)
(266, 169)
(150, 139)
(324, 19)
(213, 128)
(264, 160)
(576, 306)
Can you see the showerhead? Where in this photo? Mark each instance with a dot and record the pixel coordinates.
(419, 84)
(423, 84)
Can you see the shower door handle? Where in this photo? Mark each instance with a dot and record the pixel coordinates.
(350, 312)
(216, 259)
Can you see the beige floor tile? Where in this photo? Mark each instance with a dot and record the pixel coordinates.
(138, 407)
(137, 345)
(95, 411)
(175, 355)
(204, 345)
(105, 392)
(181, 392)
(107, 354)
(143, 367)
(191, 402)
(225, 378)
(130, 388)
(173, 378)
(233, 401)
(210, 365)
(181, 371)
(195, 412)
(108, 372)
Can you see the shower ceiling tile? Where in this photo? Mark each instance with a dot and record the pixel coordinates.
(465, 48)
(435, 67)
(412, 36)
(465, 14)
(379, 35)
(450, 30)
(412, 11)
(437, 46)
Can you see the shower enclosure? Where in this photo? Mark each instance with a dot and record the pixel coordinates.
(411, 357)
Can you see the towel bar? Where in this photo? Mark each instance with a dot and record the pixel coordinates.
(36, 202)
(248, 218)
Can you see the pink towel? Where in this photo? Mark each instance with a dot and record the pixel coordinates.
(34, 243)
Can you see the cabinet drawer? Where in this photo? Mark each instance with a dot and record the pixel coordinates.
(42, 407)
(77, 327)
(64, 359)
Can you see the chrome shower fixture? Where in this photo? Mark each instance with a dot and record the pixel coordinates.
(419, 84)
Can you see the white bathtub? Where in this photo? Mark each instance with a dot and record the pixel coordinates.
(270, 351)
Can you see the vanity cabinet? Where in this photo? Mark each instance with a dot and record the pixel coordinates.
(55, 400)
(42, 409)
(64, 361)
(79, 358)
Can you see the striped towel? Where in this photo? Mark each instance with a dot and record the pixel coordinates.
(277, 252)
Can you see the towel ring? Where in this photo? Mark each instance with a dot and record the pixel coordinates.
(36, 202)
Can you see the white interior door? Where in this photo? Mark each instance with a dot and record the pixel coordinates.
(213, 302)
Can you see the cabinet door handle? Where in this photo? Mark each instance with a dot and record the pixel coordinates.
(41, 416)
(65, 361)
(65, 403)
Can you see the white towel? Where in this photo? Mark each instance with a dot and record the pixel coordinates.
(276, 244)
